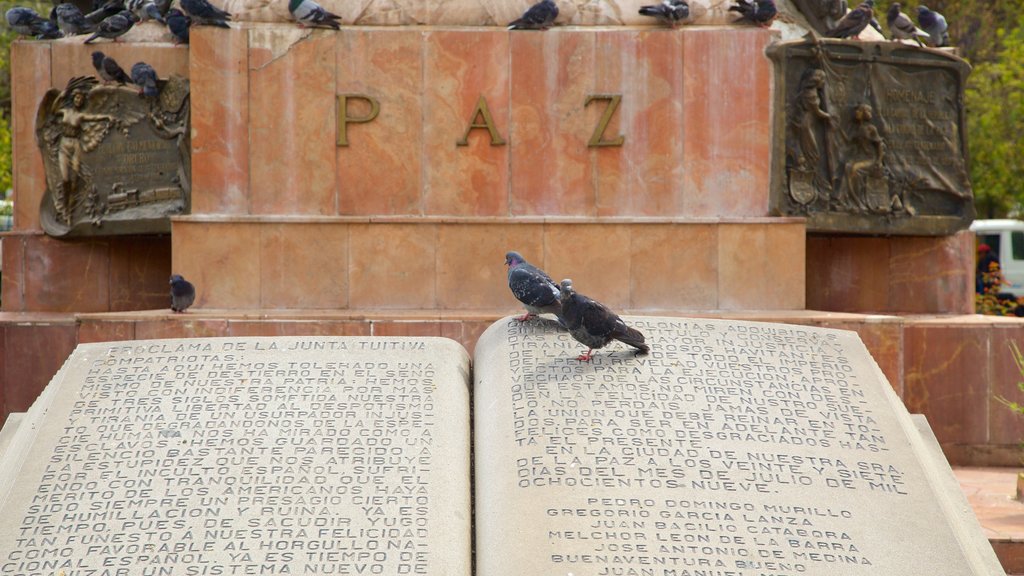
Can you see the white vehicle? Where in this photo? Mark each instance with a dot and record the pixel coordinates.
(1006, 240)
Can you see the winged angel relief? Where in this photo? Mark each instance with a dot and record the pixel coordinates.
(112, 157)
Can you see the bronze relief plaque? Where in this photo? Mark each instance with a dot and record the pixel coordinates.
(116, 162)
(870, 138)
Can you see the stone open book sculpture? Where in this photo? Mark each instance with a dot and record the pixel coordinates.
(733, 448)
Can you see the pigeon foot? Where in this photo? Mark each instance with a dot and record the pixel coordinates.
(585, 357)
(525, 317)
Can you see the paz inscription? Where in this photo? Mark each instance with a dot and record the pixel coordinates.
(115, 162)
(872, 138)
(733, 448)
(245, 456)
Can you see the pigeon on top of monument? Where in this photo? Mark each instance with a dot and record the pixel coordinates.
(71, 21)
(540, 16)
(935, 25)
(48, 30)
(178, 23)
(24, 21)
(593, 324)
(901, 27)
(144, 76)
(108, 68)
(183, 293)
(204, 13)
(145, 10)
(113, 27)
(855, 21)
(760, 12)
(669, 12)
(531, 286)
(309, 13)
(105, 11)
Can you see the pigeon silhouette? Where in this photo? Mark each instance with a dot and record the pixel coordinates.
(113, 27)
(309, 13)
(183, 293)
(669, 12)
(178, 23)
(531, 286)
(540, 16)
(593, 324)
(108, 69)
(854, 22)
(760, 12)
(206, 14)
(144, 77)
(901, 27)
(935, 25)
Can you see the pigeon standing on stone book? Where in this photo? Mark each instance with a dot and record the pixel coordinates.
(935, 25)
(901, 27)
(178, 23)
(114, 27)
(854, 22)
(309, 13)
(540, 16)
(144, 76)
(669, 12)
(108, 69)
(594, 325)
(531, 286)
(183, 293)
(760, 12)
(71, 21)
(204, 13)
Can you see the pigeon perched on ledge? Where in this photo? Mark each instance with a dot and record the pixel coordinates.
(183, 293)
(178, 23)
(594, 325)
(760, 12)
(854, 22)
(114, 27)
(531, 286)
(108, 69)
(935, 25)
(669, 12)
(204, 13)
(901, 27)
(309, 13)
(540, 16)
(24, 21)
(71, 21)
(144, 76)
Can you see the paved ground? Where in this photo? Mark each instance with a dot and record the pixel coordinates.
(991, 493)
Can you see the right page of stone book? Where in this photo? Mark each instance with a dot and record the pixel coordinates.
(732, 449)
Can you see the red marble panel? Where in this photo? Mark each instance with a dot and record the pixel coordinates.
(219, 68)
(848, 274)
(292, 124)
(884, 340)
(181, 326)
(471, 331)
(477, 251)
(30, 79)
(644, 176)
(303, 266)
(222, 260)
(945, 368)
(32, 355)
(761, 266)
(275, 327)
(407, 328)
(584, 252)
(464, 71)
(727, 130)
(67, 276)
(1005, 378)
(551, 76)
(379, 171)
(105, 331)
(392, 266)
(675, 267)
(932, 275)
(12, 281)
(140, 267)
(72, 59)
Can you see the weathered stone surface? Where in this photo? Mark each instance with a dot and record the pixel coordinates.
(311, 455)
(732, 448)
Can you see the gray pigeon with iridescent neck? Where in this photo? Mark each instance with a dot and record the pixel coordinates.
(531, 286)
(669, 12)
(935, 25)
(309, 13)
(593, 324)
(540, 16)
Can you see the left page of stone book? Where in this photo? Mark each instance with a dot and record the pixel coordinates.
(220, 456)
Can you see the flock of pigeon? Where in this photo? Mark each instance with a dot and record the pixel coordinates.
(588, 321)
(933, 25)
(113, 18)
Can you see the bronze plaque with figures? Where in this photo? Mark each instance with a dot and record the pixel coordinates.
(870, 138)
(116, 162)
